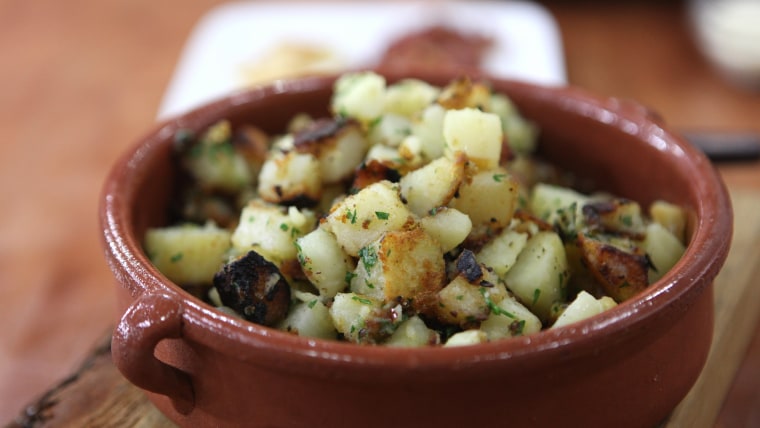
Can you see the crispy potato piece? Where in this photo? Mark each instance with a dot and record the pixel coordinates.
(616, 215)
(290, 178)
(464, 93)
(671, 216)
(255, 288)
(621, 273)
(339, 145)
(469, 298)
(403, 266)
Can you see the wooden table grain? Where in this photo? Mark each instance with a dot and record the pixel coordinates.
(82, 79)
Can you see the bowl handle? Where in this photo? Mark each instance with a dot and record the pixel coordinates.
(150, 319)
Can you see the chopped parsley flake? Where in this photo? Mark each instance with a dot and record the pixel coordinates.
(536, 294)
(362, 300)
(283, 227)
(499, 177)
(351, 215)
(177, 257)
(368, 256)
(382, 215)
(312, 303)
(349, 277)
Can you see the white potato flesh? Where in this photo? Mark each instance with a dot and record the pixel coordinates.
(341, 153)
(409, 96)
(511, 319)
(583, 306)
(363, 217)
(433, 185)
(466, 338)
(476, 133)
(350, 312)
(520, 134)
(547, 199)
(663, 248)
(429, 129)
(413, 333)
(271, 230)
(360, 95)
(500, 253)
(290, 176)
(309, 317)
(188, 254)
(448, 226)
(540, 273)
(390, 129)
(324, 262)
(490, 198)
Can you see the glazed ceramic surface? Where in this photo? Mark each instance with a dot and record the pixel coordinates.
(629, 366)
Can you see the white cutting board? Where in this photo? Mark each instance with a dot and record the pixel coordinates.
(527, 43)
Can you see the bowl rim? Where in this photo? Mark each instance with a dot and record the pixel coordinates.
(264, 345)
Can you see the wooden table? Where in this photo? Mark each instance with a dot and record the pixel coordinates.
(82, 79)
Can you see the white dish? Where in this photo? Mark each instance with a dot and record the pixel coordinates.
(527, 42)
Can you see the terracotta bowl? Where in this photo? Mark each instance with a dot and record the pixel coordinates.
(628, 367)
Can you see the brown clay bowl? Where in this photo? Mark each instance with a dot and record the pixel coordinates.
(627, 367)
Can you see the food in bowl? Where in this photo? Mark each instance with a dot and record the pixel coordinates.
(415, 215)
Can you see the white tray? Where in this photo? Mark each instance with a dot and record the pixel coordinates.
(527, 42)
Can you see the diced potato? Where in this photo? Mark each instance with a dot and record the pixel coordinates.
(360, 95)
(410, 151)
(490, 198)
(476, 133)
(409, 96)
(271, 230)
(350, 314)
(663, 248)
(390, 129)
(401, 264)
(309, 317)
(429, 129)
(521, 135)
(466, 338)
(188, 254)
(500, 253)
(448, 226)
(217, 166)
(671, 216)
(290, 177)
(468, 298)
(510, 318)
(548, 202)
(361, 218)
(433, 185)
(539, 275)
(584, 306)
(464, 93)
(615, 215)
(620, 271)
(412, 333)
(338, 144)
(324, 262)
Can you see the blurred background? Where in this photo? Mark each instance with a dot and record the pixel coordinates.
(83, 79)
